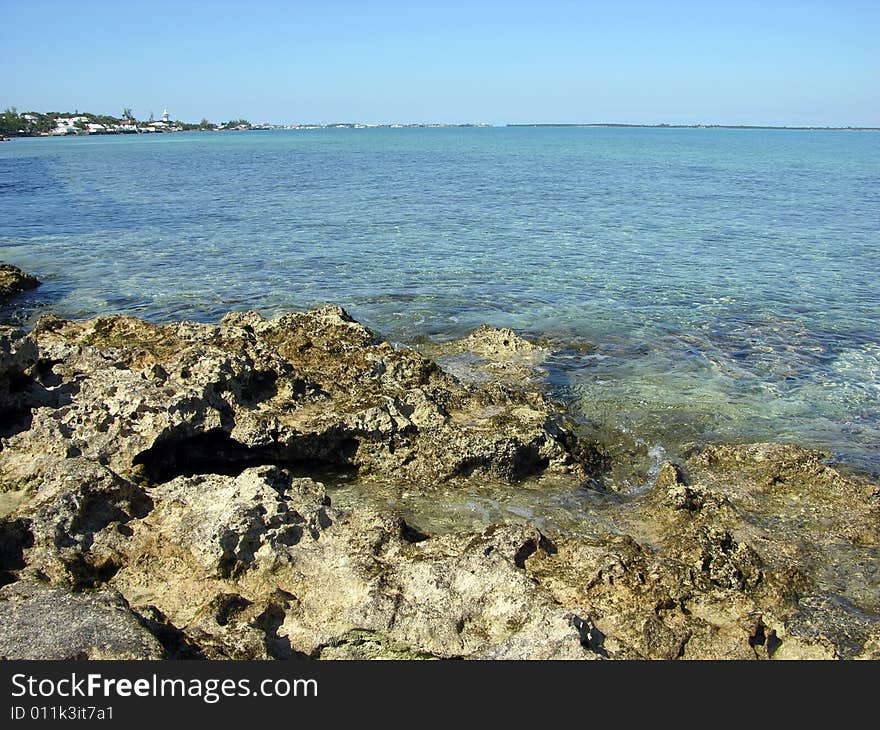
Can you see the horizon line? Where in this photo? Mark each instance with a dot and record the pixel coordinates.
(651, 125)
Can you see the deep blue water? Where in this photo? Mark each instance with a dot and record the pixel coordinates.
(726, 280)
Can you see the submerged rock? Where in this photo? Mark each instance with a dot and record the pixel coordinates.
(492, 355)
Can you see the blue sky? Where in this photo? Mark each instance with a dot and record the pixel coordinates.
(769, 62)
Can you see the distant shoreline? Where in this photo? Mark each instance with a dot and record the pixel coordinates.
(353, 126)
(702, 126)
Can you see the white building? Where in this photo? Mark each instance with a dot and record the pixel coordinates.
(67, 125)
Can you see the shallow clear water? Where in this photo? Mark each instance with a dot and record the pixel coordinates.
(727, 280)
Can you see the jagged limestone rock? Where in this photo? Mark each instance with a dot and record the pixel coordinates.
(265, 551)
(14, 281)
(160, 497)
(314, 388)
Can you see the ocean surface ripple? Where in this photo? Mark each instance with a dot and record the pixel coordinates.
(713, 284)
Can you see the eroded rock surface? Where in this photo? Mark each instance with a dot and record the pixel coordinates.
(168, 502)
(263, 566)
(314, 389)
(14, 281)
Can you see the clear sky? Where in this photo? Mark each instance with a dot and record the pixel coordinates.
(743, 62)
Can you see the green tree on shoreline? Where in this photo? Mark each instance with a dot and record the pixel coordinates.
(32, 124)
(232, 123)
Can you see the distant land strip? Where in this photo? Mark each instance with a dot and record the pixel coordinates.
(699, 126)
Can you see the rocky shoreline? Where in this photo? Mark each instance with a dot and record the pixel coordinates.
(15, 281)
(165, 495)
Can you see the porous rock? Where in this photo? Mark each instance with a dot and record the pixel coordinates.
(310, 388)
(14, 281)
(169, 503)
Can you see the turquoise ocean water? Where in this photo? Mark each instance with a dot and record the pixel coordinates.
(718, 284)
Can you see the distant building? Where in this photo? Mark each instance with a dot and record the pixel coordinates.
(165, 116)
(67, 125)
